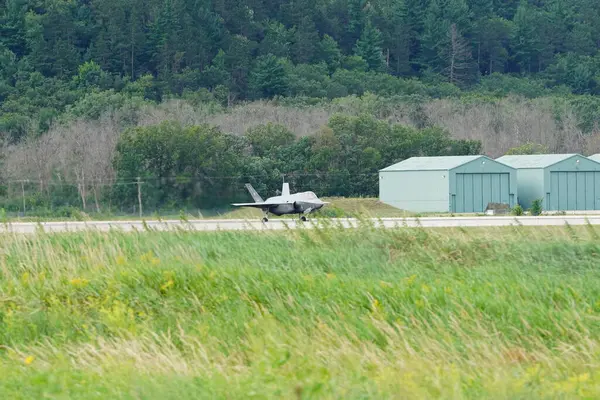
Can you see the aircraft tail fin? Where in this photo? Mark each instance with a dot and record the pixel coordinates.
(254, 194)
(285, 189)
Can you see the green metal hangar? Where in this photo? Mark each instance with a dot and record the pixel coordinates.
(564, 182)
(460, 184)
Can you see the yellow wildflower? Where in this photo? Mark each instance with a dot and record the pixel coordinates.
(28, 360)
(580, 378)
(147, 256)
(167, 285)
(376, 306)
(79, 282)
(375, 303)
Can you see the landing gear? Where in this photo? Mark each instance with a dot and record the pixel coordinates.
(303, 218)
(265, 219)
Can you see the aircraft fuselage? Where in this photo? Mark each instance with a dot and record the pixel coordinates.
(296, 203)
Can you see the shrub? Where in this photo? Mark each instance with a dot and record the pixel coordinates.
(528, 148)
(536, 207)
(517, 210)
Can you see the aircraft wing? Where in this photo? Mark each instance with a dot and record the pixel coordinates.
(258, 204)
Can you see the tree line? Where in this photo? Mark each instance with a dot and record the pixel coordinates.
(53, 52)
(201, 167)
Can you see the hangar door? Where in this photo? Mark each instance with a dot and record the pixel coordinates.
(571, 191)
(475, 191)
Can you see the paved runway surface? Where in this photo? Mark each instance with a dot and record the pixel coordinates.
(275, 224)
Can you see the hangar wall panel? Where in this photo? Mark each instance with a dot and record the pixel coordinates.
(572, 185)
(418, 191)
(475, 191)
(574, 190)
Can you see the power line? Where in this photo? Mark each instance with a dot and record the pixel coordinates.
(181, 178)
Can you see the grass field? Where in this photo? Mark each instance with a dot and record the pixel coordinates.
(339, 207)
(327, 313)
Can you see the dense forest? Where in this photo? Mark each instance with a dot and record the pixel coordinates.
(117, 87)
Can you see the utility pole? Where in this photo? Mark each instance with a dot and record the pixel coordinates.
(139, 186)
(23, 193)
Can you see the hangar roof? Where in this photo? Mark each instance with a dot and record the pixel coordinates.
(533, 160)
(431, 163)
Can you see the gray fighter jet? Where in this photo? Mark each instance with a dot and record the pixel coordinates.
(298, 203)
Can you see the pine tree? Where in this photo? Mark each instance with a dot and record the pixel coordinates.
(482, 11)
(415, 17)
(162, 39)
(506, 8)
(369, 48)
(525, 40)
(493, 45)
(277, 40)
(238, 59)
(306, 40)
(395, 26)
(111, 47)
(216, 74)
(136, 39)
(201, 34)
(12, 26)
(356, 22)
(580, 39)
(52, 49)
(268, 77)
(330, 53)
(556, 17)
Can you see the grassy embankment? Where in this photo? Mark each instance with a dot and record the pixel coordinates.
(338, 207)
(482, 313)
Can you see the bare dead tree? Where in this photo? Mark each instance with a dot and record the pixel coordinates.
(458, 56)
(86, 153)
(34, 159)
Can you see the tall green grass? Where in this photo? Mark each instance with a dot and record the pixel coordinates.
(324, 313)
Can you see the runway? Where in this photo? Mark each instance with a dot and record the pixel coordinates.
(283, 224)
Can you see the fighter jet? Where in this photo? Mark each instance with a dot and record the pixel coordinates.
(298, 203)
